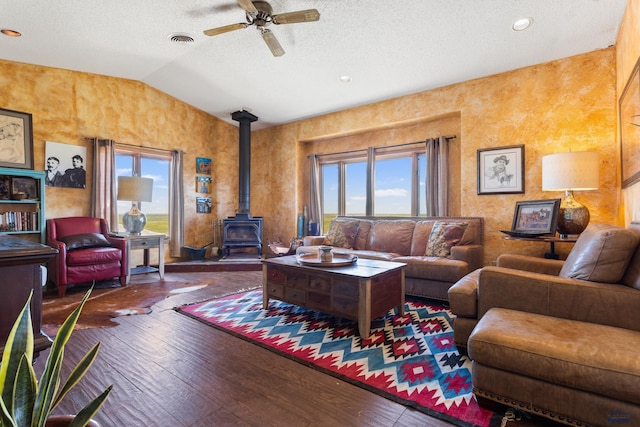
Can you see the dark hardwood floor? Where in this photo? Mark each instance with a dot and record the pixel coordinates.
(170, 370)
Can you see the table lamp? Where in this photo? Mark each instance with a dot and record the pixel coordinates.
(575, 170)
(134, 189)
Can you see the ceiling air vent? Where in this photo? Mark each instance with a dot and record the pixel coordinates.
(181, 38)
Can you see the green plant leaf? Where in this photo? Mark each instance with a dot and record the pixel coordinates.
(25, 390)
(50, 379)
(86, 413)
(19, 343)
(5, 418)
(78, 372)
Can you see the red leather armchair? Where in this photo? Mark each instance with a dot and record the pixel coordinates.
(86, 252)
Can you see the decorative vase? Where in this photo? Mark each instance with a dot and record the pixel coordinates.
(325, 254)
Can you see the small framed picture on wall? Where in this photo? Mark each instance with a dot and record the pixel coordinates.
(203, 204)
(203, 165)
(203, 184)
(501, 170)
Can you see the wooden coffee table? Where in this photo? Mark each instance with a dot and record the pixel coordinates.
(361, 291)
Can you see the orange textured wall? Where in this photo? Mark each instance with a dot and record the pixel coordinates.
(550, 108)
(68, 107)
(627, 54)
(553, 107)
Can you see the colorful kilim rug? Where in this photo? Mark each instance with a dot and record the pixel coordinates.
(411, 359)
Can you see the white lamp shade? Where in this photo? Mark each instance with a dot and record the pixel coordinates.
(135, 188)
(575, 170)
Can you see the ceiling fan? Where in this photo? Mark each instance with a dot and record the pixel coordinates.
(260, 14)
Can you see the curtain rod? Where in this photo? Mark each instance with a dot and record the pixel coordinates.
(161, 150)
(364, 150)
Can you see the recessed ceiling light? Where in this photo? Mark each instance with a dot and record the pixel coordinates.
(10, 33)
(522, 24)
(345, 79)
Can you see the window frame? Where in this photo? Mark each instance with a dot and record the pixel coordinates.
(413, 151)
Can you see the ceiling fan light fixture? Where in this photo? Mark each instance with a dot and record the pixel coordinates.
(522, 24)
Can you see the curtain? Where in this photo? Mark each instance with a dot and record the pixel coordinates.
(176, 204)
(315, 207)
(437, 179)
(371, 171)
(103, 194)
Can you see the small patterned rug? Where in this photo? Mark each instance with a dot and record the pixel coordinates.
(410, 359)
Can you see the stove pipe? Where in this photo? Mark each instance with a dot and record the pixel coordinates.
(244, 118)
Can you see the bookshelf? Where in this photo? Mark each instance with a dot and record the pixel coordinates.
(22, 203)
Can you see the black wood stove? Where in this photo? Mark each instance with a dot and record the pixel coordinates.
(243, 231)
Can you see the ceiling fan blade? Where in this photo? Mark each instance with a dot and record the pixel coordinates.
(272, 42)
(225, 29)
(248, 6)
(308, 15)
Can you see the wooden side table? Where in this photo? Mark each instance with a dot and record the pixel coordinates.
(547, 239)
(145, 241)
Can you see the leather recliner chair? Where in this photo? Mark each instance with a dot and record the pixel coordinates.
(86, 252)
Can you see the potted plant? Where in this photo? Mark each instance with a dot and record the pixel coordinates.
(27, 402)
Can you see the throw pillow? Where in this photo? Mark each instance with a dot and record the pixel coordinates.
(601, 254)
(444, 235)
(84, 240)
(342, 234)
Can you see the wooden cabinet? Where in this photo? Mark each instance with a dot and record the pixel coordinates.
(22, 203)
(20, 262)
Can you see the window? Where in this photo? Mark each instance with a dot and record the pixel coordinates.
(397, 177)
(138, 162)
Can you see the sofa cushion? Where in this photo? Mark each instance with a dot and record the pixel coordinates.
(342, 233)
(444, 235)
(84, 240)
(391, 236)
(421, 234)
(601, 254)
(364, 226)
(433, 268)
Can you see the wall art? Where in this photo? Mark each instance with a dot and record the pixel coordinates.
(629, 109)
(501, 170)
(203, 165)
(16, 139)
(65, 165)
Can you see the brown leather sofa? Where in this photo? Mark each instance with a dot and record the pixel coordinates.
(408, 240)
(560, 339)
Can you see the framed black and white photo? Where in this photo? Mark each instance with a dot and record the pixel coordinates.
(16, 139)
(65, 165)
(538, 217)
(501, 170)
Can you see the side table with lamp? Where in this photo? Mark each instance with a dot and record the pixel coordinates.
(137, 189)
(569, 172)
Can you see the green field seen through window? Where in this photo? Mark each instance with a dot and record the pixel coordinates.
(156, 223)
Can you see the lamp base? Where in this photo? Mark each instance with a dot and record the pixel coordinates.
(134, 221)
(573, 217)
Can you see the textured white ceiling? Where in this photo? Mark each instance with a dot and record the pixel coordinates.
(389, 47)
